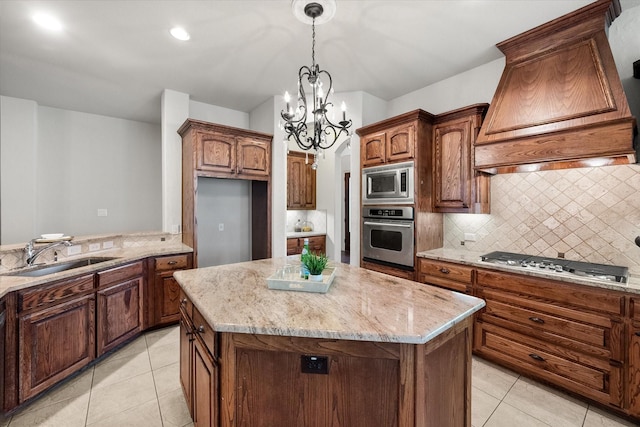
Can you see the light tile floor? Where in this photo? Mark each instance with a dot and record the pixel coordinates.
(139, 386)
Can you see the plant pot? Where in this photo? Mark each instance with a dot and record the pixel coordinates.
(316, 277)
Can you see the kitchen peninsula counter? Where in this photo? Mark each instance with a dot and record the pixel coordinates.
(398, 353)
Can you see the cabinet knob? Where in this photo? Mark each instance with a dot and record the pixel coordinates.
(638, 333)
(537, 320)
(172, 262)
(183, 301)
(201, 328)
(536, 357)
(444, 270)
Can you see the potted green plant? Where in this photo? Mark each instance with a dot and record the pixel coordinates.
(316, 264)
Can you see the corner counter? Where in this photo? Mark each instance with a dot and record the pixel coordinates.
(374, 350)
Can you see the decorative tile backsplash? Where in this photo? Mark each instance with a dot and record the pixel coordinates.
(317, 217)
(12, 256)
(589, 214)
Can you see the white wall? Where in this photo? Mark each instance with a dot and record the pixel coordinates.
(88, 162)
(59, 167)
(18, 177)
(219, 115)
(471, 87)
(174, 110)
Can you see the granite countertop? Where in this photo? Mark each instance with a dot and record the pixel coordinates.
(121, 255)
(292, 234)
(361, 305)
(473, 259)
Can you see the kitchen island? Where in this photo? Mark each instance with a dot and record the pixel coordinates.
(375, 350)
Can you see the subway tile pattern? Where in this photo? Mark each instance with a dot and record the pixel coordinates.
(589, 214)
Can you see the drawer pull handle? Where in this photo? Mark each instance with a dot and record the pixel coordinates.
(172, 262)
(638, 333)
(201, 328)
(444, 270)
(536, 357)
(537, 320)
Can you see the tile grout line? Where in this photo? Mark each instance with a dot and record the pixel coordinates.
(153, 377)
(501, 401)
(86, 417)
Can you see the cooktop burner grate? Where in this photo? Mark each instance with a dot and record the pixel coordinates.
(612, 273)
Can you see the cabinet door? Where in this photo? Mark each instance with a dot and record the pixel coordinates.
(54, 343)
(216, 153)
(186, 356)
(317, 244)
(401, 143)
(119, 314)
(452, 171)
(634, 370)
(373, 149)
(301, 181)
(254, 158)
(296, 185)
(205, 387)
(167, 298)
(293, 246)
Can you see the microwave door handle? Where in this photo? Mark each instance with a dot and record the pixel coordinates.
(388, 224)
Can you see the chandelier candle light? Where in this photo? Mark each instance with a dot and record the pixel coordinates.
(325, 133)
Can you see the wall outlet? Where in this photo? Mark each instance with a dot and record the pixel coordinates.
(102, 212)
(470, 237)
(107, 245)
(175, 229)
(220, 227)
(94, 247)
(74, 250)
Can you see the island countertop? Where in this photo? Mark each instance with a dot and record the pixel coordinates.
(361, 305)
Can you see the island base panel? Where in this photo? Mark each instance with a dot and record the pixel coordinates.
(368, 383)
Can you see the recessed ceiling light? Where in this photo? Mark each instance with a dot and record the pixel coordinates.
(180, 33)
(47, 21)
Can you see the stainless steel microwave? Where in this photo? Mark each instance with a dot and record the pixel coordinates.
(388, 184)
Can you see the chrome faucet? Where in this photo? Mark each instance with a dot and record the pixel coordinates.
(31, 253)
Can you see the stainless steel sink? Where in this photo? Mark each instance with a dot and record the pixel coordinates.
(43, 270)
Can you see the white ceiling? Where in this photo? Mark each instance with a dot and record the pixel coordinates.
(114, 57)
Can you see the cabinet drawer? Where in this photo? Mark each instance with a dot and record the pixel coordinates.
(120, 274)
(174, 262)
(524, 354)
(448, 275)
(590, 334)
(317, 244)
(560, 293)
(205, 332)
(44, 295)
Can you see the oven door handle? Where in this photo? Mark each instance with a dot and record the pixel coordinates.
(387, 224)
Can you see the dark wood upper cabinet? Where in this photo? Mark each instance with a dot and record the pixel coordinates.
(560, 101)
(456, 186)
(301, 181)
(211, 150)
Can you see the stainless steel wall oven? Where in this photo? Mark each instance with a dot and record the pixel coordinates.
(388, 235)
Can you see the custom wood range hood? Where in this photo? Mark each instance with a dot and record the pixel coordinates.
(560, 101)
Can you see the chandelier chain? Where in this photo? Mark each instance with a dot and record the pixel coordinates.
(313, 43)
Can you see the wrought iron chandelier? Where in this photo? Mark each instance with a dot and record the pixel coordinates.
(324, 133)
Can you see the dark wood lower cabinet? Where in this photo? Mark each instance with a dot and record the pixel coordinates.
(119, 314)
(198, 367)
(54, 343)
(164, 301)
(205, 386)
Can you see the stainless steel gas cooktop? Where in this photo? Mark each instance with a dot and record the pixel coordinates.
(613, 273)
